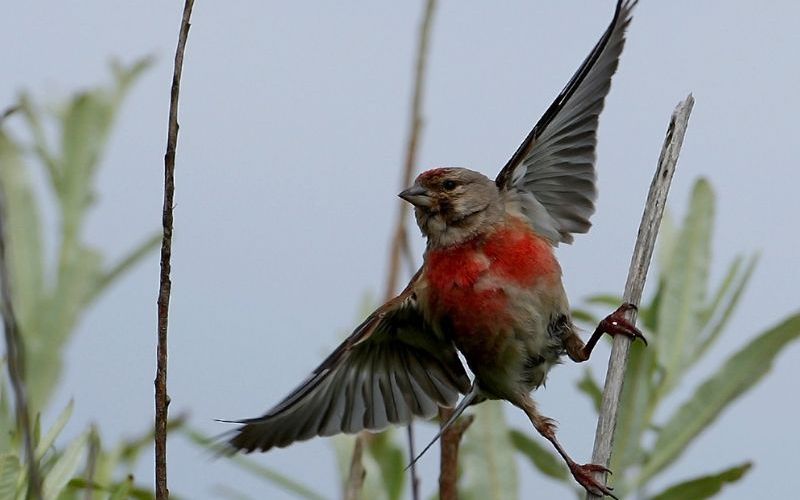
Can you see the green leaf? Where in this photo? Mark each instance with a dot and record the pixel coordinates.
(722, 291)
(487, 456)
(10, 470)
(79, 269)
(130, 449)
(254, 468)
(122, 491)
(543, 459)
(137, 493)
(605, 299)
(54, 431)
(7, 423)
(705, 486)
(739, 374)
(667, 239)
(40, 147)
(64, 468)
(648, 315)
(390, 459)
(686, 282)
(126, 75)
(636, 405)
(229, 492)
(36, 433)
(134, 257)
(589, 386)
(584, 316)
(23, 232)
(723, 317)
(84, 134)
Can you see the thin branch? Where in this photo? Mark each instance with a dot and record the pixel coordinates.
(355, 480)
(162, 399)
(15, 354)
(399, 246)
(400, 238)
(448, 463)
(640, 262)
(413, 477)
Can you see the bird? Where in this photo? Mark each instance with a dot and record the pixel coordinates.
(490, 288)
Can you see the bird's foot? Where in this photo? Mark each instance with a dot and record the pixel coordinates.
(616, 324)
(584, 475)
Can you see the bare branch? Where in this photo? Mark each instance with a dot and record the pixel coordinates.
(412, 469)
(399, 246)
(161, 397)
(355, 480)
(448, 463)
(640, 262)
(400, 239)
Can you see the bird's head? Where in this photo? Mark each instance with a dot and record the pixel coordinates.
(453, 205)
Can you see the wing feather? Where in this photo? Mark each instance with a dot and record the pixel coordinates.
(551, 175)
(391, 369)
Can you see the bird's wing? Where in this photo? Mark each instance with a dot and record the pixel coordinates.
(552, 173)
(390, 369)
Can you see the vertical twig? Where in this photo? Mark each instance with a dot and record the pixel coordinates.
(355, 479)
(448, 461)
(637, 273)
(412, 470)
(400, 243)
(15, 354)
(399, 246)
(162, 399)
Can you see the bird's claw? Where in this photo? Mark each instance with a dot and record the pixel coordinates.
(616, 323)
(584, 475)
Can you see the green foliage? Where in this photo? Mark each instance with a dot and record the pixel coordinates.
(64, 466)
(740, 373)
(247, 464)
(82, 465)
(51, 295)
(704, 487)
(487, 456)
(384, 461)
(541, 457)
(487, 461)
(684, 318)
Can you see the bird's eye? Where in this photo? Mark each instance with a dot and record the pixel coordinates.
(449, 185)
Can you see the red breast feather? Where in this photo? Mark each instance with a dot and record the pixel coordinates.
(469, 284)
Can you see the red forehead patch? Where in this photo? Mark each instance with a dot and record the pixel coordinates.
(433, 174)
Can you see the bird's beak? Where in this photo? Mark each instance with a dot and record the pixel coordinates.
(417, 196)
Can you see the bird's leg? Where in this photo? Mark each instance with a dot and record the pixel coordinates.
(613, 324)
(583, 474)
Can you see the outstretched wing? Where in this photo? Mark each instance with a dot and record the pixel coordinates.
(552, 173)
(390, 369)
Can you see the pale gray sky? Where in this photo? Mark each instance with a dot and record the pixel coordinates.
(293, 121)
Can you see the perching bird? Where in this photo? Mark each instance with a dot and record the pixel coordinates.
(490, 287)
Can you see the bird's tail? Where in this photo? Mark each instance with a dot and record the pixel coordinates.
(468, 399)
